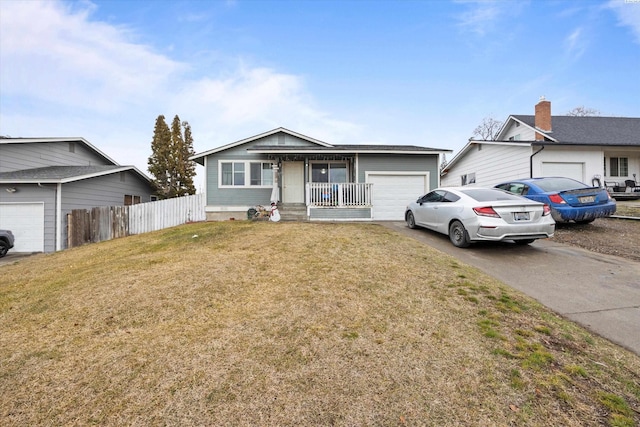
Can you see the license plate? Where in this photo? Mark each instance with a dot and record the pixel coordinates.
(521, 216)
(587, 199)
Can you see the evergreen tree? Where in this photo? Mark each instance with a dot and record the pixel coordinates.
(169, 162)
(159, 162)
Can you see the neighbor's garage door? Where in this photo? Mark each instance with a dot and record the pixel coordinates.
(569, 170)
(26, 222)
(392, 193)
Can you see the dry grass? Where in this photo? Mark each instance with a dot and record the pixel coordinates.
(291, 324)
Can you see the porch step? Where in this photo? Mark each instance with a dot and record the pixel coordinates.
(293, 212)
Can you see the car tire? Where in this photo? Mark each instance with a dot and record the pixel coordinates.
(4, 248)
(411, 221)
(458, 235)
(524, 242)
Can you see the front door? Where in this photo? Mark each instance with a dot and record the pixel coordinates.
(293, 182)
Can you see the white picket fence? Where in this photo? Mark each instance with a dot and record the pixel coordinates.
(153, 216)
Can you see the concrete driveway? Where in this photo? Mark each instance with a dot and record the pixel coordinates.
(600, 292)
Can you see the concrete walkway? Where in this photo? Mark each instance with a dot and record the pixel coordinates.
(600, 292)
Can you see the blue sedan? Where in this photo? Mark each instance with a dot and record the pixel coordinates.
(570, 200)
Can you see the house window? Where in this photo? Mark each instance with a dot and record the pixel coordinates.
(123, 176)
(261, 174)
(329, 172)
(619, 166)
(233, 173)
(467, 179)
(246, 174)
(131, 200)
(72, 147)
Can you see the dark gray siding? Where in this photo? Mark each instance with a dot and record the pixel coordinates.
(29, 193)
(36, 155)
(400, 163)
(106, 190)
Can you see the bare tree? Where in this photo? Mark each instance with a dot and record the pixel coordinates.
(488, 129)
(583, 111)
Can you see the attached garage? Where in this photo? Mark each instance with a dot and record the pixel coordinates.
(572, 170)
(392, 191)
(26, 222)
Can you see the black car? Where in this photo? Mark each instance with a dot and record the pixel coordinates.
(6, 242)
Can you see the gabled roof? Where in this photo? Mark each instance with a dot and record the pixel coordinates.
(317, 147)
(350, 149)
(590, 130)
(473, 142)
(64, 174)
(5, 140)
(199, 156)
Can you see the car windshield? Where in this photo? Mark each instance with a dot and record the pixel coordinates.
(488, 194)
(559, 184)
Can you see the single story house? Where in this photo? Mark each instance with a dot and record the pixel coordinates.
(591, 149)
(44, 179)
(319, 180)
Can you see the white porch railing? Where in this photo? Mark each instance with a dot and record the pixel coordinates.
(346, 195)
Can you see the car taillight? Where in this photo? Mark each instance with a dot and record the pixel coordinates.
(555, 198)
(546, 210)
(486, 211)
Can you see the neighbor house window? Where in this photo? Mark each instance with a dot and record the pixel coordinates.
(467, 179)
(246, 174)
(131, 200)
(618, 166)
(329, 172)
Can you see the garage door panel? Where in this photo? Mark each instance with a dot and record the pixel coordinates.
(392, 193)
(26, 222)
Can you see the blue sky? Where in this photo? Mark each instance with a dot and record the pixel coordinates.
(391, 72)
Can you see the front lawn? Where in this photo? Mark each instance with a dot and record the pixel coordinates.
(254, 323)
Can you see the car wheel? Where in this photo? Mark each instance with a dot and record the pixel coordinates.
(4, 248)
(411, 221)
(524, 242)
(458, 235)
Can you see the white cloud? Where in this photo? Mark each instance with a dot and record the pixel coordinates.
(481, 16)
(71, 75)
(628, 14)
(69, 60)
(575, 43)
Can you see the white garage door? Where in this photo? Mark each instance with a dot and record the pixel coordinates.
(26, 222)
(392, 193)
(569, 170)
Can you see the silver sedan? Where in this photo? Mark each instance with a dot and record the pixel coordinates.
(469, 214)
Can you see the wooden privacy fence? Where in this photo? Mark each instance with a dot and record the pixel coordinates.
(110, 222)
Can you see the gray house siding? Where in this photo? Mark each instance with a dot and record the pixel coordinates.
(238, 196)
(36, 155)
(106, 190)
(398, 163)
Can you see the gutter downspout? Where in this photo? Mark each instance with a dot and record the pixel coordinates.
(531, 162)
(58, 217)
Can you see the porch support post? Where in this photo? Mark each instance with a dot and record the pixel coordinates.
(275, 192)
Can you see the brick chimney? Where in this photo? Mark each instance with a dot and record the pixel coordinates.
(543, 117)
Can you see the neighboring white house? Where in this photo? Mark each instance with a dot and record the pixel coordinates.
(589, 149)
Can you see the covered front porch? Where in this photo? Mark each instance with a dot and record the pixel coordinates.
(325, 185)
